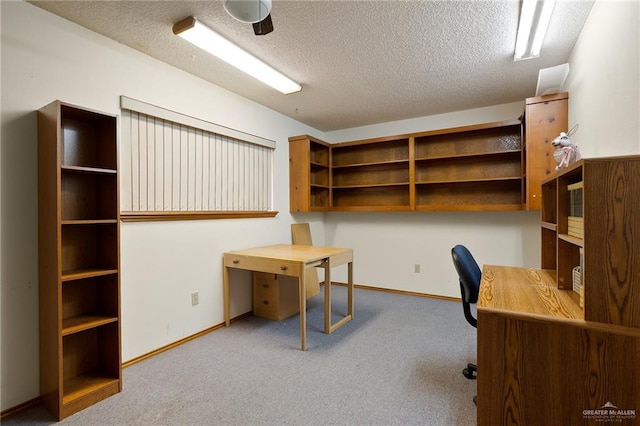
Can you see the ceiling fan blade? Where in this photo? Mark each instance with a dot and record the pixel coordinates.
(263, 27)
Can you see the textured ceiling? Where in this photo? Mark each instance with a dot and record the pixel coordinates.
(359, 62)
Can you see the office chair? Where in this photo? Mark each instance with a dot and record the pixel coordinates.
(469, 275)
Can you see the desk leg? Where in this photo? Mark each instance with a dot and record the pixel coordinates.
(350, 291)
(225, 290)
(327, 296)
(328, 327)
(302, 292)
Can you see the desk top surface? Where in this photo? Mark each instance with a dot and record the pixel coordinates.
(525, 291)
(289, 252)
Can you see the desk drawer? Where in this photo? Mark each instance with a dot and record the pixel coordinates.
(273, 266)
(275, 297)
(265, 285)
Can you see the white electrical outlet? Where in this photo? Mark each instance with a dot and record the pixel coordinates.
(416, 268)
(195, 298)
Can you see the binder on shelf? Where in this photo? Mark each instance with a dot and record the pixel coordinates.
(581, 277)
(575, 221)
(577, 282)
(575, 226)
(575, 199)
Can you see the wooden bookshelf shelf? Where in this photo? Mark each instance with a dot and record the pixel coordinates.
(373, 163)
(578, 242)
(84, 322)
(487, 180)
(516, 152)
(78, 274)
(79, 169)
(549, 226)
(80, 386)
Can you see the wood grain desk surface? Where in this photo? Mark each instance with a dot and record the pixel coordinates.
(525, 291)
(295, 253)
(539, 361)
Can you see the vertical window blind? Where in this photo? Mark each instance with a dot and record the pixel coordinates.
(176, 163)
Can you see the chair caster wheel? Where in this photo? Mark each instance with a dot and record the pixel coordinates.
(470, 371)
(468, 374)
(475, 400)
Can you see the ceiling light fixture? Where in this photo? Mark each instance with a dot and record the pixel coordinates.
(248, 11)
(534, 21)
(208, 40)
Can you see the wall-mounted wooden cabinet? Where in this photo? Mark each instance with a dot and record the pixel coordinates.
(610, 272)
(79, 261)
(476, 167)
(545, 118)
(309, 174)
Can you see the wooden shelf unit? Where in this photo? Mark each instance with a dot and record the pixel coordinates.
(477, 167)
(79, 258)
(309, 174)
(544, 118)
(610, 276)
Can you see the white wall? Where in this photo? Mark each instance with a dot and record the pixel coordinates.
(503, 112)
(603, 84)
(388, 245)
(46, 58)
(392, 243)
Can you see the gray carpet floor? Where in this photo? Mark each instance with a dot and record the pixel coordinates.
(398, 362)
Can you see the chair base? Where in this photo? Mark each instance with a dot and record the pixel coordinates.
(470, 372)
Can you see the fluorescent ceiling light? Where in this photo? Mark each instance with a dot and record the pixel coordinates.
(534, 21)
(208, 40)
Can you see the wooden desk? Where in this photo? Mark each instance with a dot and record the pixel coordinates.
(294, 260)
(539, 362)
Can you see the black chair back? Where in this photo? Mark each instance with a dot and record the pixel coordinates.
(469, 275)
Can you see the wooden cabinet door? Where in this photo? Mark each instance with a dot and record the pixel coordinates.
(545, 117)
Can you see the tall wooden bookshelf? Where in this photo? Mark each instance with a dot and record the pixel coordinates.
(79, 257)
